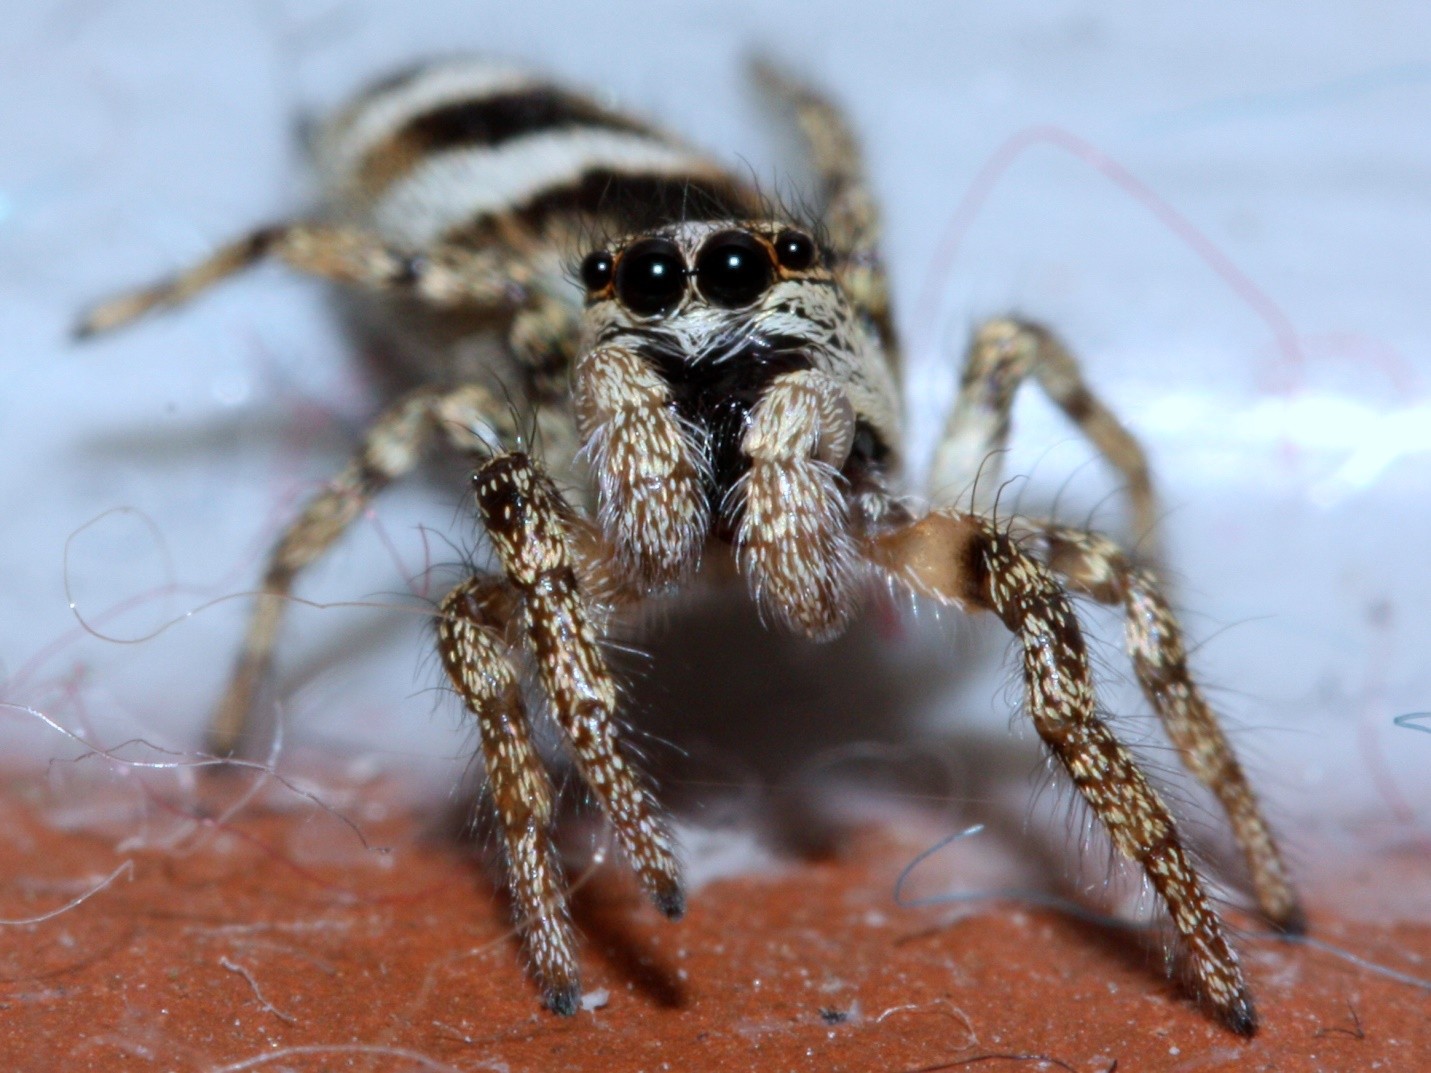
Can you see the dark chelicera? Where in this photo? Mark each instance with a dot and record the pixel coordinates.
(718, 395)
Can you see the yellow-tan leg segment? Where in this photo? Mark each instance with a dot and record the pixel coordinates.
(966, 560)
(471, 632)
(470, 419)
(793, 530)
(1095, 566)
(1001, 356)
(441, 277)
(525, 518)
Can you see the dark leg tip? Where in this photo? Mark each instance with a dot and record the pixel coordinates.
(671, 901)
(1241, 1015)
(1293, 922)
(563, 1001)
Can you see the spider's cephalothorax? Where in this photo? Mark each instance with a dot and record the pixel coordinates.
(720, 379)
(774, 402)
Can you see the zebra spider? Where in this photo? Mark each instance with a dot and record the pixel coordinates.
(723, 384)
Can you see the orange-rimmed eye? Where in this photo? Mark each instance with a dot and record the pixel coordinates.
(733, 269)
(795, 250)
(651, 277)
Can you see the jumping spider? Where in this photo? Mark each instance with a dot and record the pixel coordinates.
(721, 380)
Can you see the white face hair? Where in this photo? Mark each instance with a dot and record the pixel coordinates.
(790, 303)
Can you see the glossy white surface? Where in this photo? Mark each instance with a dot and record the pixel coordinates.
(1225, 212)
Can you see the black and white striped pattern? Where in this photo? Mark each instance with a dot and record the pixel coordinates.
(469, 150)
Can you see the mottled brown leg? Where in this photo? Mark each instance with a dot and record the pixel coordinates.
(1095, 566)
(470, 419)
(471, 630)
(793, 530)
(526, 520)
(1002, 355)
(441, 276)
(964, 559)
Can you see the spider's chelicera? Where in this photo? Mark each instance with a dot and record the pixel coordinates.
(714, 383)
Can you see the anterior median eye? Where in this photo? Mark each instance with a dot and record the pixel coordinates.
(651, 277)
(733, 269)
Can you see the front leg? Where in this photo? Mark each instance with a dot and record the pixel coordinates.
(527, 521)
(471, 638)
(966, 560)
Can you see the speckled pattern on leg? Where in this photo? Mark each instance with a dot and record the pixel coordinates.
(524, 517)
(470, 627)
(1096, 567)
(966, 559)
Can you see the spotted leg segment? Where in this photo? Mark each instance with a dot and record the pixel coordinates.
(442, 276)
(793, 530)
(1002, 355)
(1094, 566)
(526, 520)
(469, 418)
(471, 630)
(966, 560)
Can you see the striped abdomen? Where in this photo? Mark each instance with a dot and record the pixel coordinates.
(479, 152)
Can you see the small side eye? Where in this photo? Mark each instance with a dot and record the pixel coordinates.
(794, 250)
(733, 269)
(596, 271)
(651, 277)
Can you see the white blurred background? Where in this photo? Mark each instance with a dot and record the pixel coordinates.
(1225, 212)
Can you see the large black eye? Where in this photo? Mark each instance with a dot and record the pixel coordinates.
(651, 277)
(733, 269)
(596, 271)
(795, 250)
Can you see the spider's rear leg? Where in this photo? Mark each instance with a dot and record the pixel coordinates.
(1094, 566)
(849, 213)
(527, 521)
(442, 276)
(966, 560)
(1001, 356)
(470, 419)
(470, 636)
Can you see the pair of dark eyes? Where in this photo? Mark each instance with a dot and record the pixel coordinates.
(733, 269)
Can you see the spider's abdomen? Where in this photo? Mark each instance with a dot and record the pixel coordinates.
(486, 152)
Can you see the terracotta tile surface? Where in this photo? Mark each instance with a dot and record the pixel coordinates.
(274, 938)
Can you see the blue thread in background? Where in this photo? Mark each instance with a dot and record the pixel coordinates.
(1408, 721)
(1281, 102)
